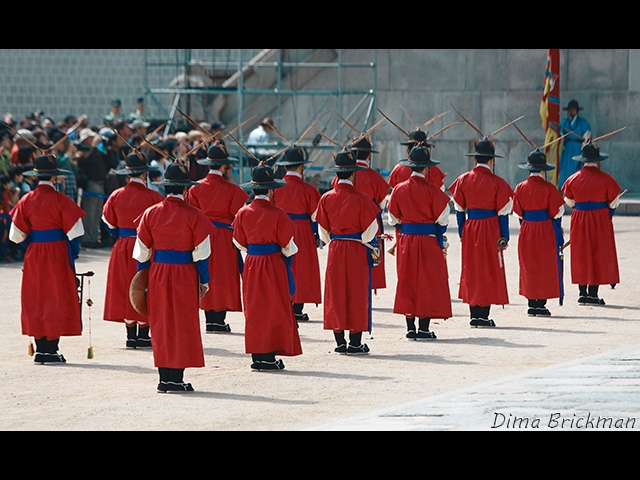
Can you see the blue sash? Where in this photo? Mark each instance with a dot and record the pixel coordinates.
(269, 249)
(424, 229)
(590, 205)
(55, 235)
(228, 226)
(418, 229)
(477, 214)
(173, 256)
(127, 232)
(299, 216)
(358, 236)
(535, 215)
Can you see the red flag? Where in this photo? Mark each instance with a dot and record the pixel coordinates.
(550, 111)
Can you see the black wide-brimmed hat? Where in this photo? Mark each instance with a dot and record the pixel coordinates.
(45, 166)
(536, 162)
(345, 161)
(136, 163)
(419, 157)
(590, 153)
(573, 103)
(417, 137)
(484, 148)
(176, 175)
(363, 145)
(294, 156)
(217, 156)
(263, 177)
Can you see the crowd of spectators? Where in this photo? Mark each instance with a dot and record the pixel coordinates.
(90, 154)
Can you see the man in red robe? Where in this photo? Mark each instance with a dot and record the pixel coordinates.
(540, 207)
(483, 203)
(266, 233)
(347, 222)
(120, 210)
(594, 195)
(173, 243)
(402, 172)
(49, 224)
(300, 199)
(422, 211)
(220, 200)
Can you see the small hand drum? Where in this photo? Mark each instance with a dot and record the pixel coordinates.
(138, 291)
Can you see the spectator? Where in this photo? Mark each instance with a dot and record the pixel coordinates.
(67, 183)
(23, 137)
(10, 196)
(116, 111)
(5, 151)
(18, 180)
(262, 135)
(140, 113)
(93, 165)
(155, 177)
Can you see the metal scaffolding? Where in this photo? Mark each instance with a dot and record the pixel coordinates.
(228, 86)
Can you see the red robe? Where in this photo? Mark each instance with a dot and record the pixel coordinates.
(345, 210)
(300, 197)
(174, 316)
(400, 173)
(594, 258)
(49, 297)
(220, 200)
(270, 324)
(120, 210)
(376, 188)
(423, 278)
(537, 243)
(482, 278)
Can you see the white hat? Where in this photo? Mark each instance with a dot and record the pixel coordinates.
(86, 133)
(24, 133)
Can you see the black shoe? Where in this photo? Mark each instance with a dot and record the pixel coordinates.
(132, 343)
(587, 300)
(143, 343)
(341, 348)
(359, 350)
(43, 358)
(218, 328)
(173, 387)
(260, 365)
(302, 317)
(482, 322)
(422, 335)
(411, 335)
(538, 312)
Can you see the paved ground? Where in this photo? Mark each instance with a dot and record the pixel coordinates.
(530, 372)
(599, 392)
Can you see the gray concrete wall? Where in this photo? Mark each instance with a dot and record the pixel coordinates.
(482, 84)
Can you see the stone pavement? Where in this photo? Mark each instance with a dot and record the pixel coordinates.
(599, 392)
